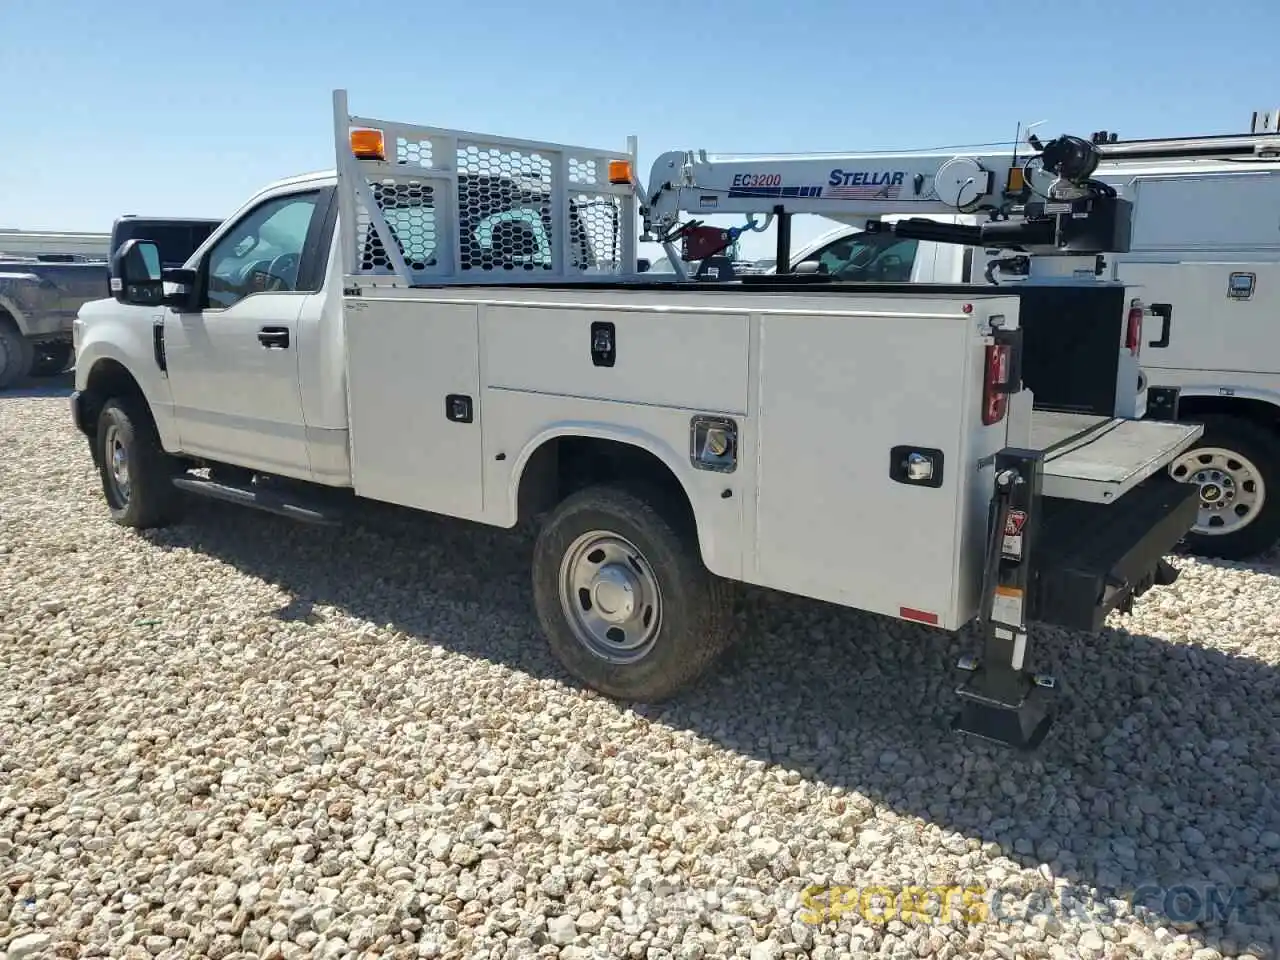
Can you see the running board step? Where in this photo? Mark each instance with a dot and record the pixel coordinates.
(260, 498)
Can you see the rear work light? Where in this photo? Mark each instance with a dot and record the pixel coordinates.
(368, 145)
(995, 383)
(1133, 327)
(619, 172)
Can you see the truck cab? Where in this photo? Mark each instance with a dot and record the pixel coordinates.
(245, 365)
(222, 376)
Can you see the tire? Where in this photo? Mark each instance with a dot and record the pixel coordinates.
(148, 497)
(51, 359)
(1238, 461)
(692, 608)
(16, 353)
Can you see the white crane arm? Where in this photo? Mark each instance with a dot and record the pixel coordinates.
(1071, 216)
(841, 187)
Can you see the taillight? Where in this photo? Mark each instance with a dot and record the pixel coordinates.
(995, 401)
(1133, 328)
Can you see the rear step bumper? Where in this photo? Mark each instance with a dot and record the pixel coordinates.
(1094, 558)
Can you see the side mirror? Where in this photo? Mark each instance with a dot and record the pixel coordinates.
(136, 275)
(643, 265)
(810, 268)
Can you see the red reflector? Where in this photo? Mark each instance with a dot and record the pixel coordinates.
(920, 616)
(1133, 329)
(995, 402)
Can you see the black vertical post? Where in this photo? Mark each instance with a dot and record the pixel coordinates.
(1002, 701)
(783, 252)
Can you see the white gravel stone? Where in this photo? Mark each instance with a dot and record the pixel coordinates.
(239, 737)
(562, 930)
(28, 945)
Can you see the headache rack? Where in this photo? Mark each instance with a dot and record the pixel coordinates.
(423, 206)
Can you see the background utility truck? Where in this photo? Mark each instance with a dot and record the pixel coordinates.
(453, 322)
(1205, 249)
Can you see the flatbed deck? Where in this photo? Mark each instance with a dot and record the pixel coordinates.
(1099, 459)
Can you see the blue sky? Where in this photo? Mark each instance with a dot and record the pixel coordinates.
(153, 107)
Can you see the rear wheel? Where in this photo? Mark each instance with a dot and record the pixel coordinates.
(623, 597)
(1236, 465)
(137, 475)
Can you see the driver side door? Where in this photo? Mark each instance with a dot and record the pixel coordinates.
(233, 362)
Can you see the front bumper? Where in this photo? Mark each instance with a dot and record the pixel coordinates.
(79, 415)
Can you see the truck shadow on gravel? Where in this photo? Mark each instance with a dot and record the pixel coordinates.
(41, 387)
(1158, 783)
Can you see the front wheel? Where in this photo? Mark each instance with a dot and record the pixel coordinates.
(137, 475)
(623, 597)
(1236, 465)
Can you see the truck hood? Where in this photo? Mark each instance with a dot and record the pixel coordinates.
(108, 307)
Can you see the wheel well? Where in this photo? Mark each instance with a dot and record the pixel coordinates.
(563, 465)
(108, 379)
(1261, 412)
(8, 319)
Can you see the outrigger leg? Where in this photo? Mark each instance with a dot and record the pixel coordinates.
(1001, 700)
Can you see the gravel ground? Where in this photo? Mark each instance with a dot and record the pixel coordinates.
(245, 738)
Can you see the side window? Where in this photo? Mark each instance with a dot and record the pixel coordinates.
(879, 258)
(409, 210)
(415, 228)
(262, 252)
(513, 238)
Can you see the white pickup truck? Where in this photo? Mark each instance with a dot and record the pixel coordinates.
(452, 322)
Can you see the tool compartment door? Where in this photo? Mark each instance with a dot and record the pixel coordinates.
(1100, 459)
(837, 394)
(1224, 315)
(412, 367)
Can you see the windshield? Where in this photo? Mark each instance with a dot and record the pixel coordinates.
(879, 257)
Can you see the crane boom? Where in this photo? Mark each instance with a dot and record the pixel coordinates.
(1074, 216)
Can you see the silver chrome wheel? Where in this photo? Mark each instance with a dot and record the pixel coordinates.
(117, 464)
(1232, 492)
(610, 597)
